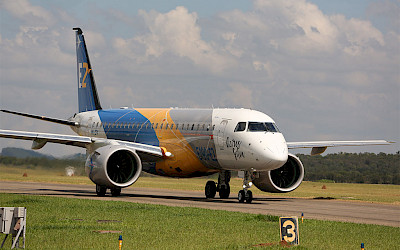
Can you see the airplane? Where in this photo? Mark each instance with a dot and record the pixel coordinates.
(176, 142)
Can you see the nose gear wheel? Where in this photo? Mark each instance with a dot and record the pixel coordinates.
(245, 194)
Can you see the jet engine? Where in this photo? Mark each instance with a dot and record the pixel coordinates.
(113, 166)
(281, 180)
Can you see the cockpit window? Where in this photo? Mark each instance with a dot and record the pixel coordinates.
(262, 126)
(241, 126)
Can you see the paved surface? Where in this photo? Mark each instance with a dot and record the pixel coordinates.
(359, 212)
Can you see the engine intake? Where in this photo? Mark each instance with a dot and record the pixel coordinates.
(113, 166)
(282, 180)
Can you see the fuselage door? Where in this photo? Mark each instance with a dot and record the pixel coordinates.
(221, 134)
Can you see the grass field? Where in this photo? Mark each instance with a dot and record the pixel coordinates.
(358, 192)
(61, 223)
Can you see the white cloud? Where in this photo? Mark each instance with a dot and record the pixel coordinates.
(357, 36)
(238, 95)
(24, 10)
(177, 33)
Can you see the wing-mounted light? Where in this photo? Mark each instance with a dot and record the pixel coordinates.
(165, 153)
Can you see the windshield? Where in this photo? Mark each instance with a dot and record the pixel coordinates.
(262, 127)
(241, 126)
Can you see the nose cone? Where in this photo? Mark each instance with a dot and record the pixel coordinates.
(274, 151)
(277, 154)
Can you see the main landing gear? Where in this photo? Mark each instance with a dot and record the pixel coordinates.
(246, 194)
(222, 187)
(101, 191)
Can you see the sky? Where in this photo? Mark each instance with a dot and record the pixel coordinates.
(323, 70)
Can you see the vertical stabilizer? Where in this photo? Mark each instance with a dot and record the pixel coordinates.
(87, 92)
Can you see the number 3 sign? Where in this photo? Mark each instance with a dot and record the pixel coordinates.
(289, 229)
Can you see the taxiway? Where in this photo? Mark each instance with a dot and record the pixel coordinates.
(347, 211)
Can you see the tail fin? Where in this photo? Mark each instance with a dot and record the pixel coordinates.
(87, 92)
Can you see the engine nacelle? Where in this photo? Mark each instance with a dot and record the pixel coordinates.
(282, 180)
(113, 166)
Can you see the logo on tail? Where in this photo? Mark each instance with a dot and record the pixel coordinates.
(83, 71)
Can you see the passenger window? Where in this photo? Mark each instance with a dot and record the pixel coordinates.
(192, 126)
(187, 127)
(241, 126)
(172, 126)
(161, 125)
(198, 127)
(166, 127)
(156, 125)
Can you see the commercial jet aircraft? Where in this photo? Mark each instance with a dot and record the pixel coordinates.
(175, 142)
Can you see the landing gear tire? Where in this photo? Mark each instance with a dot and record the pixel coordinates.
(210, 189)
(115, 192)
(224, 191)
(101, 190)
(249, 196)
(245, 195)
(241, 196)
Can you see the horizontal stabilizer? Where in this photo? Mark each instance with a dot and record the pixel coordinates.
(43, 118)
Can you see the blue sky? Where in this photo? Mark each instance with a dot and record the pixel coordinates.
(324, 70)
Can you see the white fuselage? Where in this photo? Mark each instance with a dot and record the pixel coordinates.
(214, 136)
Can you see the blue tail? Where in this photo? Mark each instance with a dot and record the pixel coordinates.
(87, 93)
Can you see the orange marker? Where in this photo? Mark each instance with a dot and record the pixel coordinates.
(120, 242)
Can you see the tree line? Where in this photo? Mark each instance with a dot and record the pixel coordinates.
(353, 168)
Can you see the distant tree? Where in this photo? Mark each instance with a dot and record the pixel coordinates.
(379, 168)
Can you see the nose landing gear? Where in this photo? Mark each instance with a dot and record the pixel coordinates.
(246, 194)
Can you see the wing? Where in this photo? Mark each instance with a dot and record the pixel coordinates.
(148, 152)
(318, 147)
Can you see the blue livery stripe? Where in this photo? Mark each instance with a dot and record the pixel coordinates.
(128, 125)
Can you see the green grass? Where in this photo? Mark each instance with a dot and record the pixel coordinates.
(379, 193)
(62, 223)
